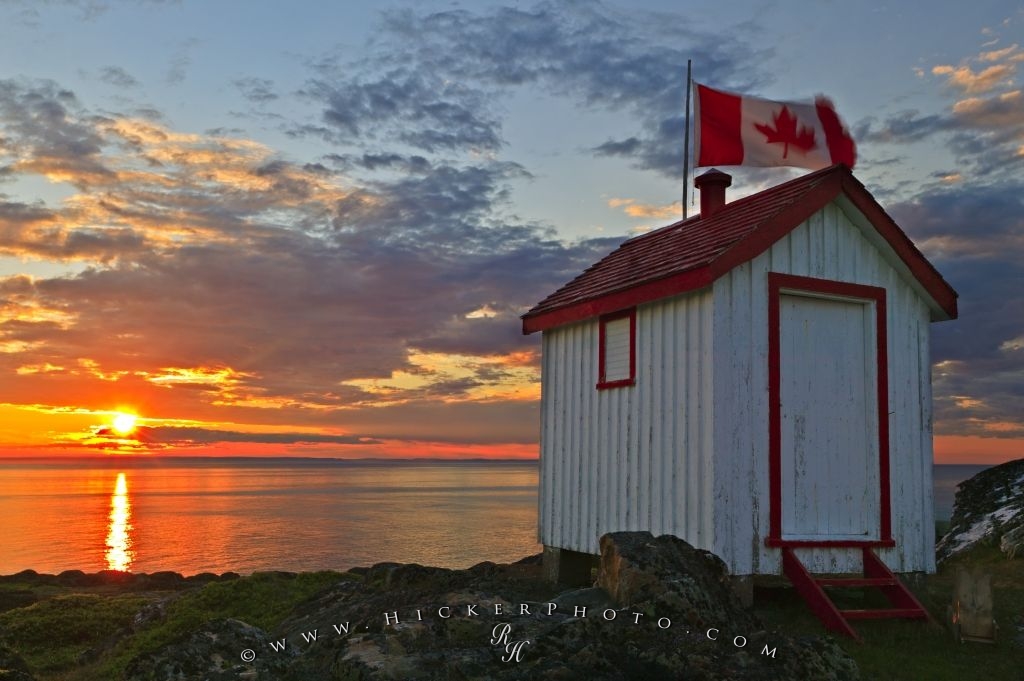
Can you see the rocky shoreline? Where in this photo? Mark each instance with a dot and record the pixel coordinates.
(660, 610)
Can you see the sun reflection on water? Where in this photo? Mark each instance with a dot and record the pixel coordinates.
(119, 553)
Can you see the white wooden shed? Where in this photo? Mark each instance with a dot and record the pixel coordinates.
(754, 380)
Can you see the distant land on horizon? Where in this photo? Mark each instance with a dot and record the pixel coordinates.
(297, 460)
(313, 460)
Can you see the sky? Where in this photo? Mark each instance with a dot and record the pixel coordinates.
(256, 228)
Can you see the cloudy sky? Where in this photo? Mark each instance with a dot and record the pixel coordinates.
(310, 228)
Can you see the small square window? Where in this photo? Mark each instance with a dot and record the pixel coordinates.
(617, 350)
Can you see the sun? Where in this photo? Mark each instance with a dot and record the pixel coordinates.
(124, 423)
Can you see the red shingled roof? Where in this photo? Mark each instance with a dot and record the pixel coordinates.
(693, 253)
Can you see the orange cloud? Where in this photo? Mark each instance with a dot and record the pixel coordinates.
(996, 69)
(1013, 52)
(645, 210)
(970, 81)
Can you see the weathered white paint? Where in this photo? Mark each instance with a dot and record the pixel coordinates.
(634, 457)
(616, 349)
(829, 419)
(829, 245)
(684, 451)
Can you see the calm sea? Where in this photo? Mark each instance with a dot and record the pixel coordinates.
(945, 479)
(195, 515)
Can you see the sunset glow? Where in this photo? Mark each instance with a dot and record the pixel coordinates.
(119, 553)
(316, 236)
(124, 423)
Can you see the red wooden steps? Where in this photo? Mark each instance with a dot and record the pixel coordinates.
(841, 581)
(876, 575)
(890, 613)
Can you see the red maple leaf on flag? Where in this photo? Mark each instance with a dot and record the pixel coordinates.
(785, 133)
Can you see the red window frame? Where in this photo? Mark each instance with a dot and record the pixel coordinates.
(602, 382)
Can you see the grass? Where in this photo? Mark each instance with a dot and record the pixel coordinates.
(263, 600)
(53, 634)
(904, 650)
(80, 634)
(84, 636)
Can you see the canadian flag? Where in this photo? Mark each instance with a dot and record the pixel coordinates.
(734, 130)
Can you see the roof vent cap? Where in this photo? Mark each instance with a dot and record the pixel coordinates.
(712, 186)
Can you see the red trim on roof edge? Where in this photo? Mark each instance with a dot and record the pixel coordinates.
(919, 266)
(690, 280)
(837, 180)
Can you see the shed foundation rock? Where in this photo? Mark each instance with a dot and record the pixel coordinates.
(572, 568)
(665, 574)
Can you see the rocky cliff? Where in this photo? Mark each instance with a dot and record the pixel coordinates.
(988, 508)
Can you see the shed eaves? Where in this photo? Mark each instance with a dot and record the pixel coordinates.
(693, 252)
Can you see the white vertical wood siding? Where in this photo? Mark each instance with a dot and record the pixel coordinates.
(829, 419)
(829, 246)
(636, 457)
(616, 349)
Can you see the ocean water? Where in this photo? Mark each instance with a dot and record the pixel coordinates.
(945, 479)
(193, 516)
(196, 515)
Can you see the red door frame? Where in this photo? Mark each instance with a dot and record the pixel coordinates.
(827, 287)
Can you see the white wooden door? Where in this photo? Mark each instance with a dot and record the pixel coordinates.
(829, 418)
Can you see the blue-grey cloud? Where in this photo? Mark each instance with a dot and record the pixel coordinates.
(179, 437)
(434, 81)
(117, 76)
(975, 234)
(257, 90)
(985, 133)
(420, 109)
(44, 131)
(389, 161)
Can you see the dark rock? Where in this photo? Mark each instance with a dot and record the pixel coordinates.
(101, 578)
(16, 598)
(667, 575)
(988, 507)
(202, 578)
(1012, 542)
(15, 675)
(214, 653)
(535, 559)
(104, 577)
(72, 578)
(29, 576)
(594, 598)
(12, 667)
(10, 660)
(163, 580)
(451, 623)
(151, 612)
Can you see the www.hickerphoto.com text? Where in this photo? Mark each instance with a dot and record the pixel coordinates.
(396, 619)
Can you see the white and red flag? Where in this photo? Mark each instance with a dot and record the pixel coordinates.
(735, 130)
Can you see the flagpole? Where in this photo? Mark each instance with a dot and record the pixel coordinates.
(686, 139)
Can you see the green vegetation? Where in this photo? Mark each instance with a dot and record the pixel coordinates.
(902, 650)
(79, 636)
(262, 600)
(85, 633)
(53, 635)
